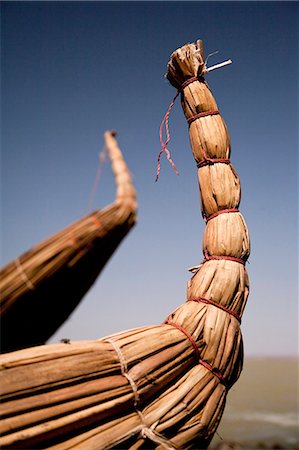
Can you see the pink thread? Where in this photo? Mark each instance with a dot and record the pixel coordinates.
(165, 122)
(164, 144)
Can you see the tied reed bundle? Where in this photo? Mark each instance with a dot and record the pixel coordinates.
(135, 389)
(40, 289)
(162, 386)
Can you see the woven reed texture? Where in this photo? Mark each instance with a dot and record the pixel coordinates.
(163, 386)
(40, 289)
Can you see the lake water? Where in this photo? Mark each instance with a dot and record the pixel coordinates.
(262, 407)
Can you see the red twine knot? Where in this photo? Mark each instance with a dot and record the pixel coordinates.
(223, 257)
(165, 122)
(164, 144)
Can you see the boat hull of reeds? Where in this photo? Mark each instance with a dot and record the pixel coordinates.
(144, 385)
(163, 386)
(41, 288)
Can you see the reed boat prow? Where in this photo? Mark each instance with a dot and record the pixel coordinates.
(41, 288)
(153, 387)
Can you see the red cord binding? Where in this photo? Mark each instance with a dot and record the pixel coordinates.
(96, 221)
(227, 258)
(218, 305)
(208, 161)
(222, 211)
(202, 114)
(208, 366)
(187, 82)
(179, 327)
(214, 371)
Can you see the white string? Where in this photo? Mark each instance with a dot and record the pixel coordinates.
(102, 159)
(209, 55)
(23, 275)
(146, 431)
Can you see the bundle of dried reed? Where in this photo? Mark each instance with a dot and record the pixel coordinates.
(41, 288)
(132, 389)
(151, 387)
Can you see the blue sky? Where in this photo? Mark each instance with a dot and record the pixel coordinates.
(71, 70)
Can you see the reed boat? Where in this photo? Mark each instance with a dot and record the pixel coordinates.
(41, 288)
(162, 386)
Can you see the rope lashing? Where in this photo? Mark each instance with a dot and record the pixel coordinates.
(207, 161)
(218, 305)
(202, 114)
(208, 366)
(223, 257)
(193, 342)
(146, 431)
(221, 211)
